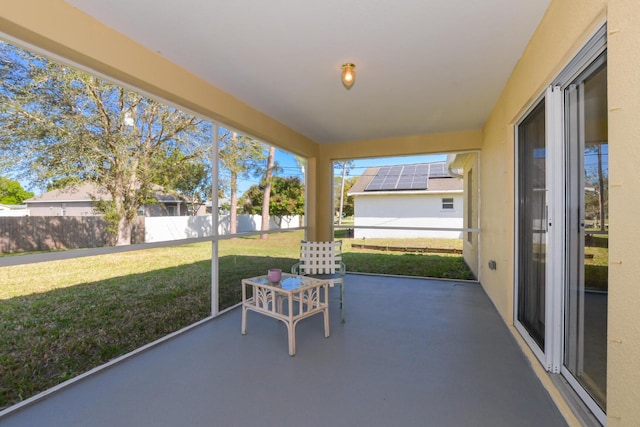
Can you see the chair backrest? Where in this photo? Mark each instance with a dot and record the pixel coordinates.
(320, 257)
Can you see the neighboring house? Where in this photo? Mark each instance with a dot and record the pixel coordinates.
(14, 210)
(419, 195)
(77, 201)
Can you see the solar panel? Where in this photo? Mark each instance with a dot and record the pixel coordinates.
(438, 170)
(407, 177)
(377, 182)
(390, 179)
(421, 177)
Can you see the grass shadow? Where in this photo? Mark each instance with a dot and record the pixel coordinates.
(423, 265)
(596, 240)
(50, 337)
(596, 278)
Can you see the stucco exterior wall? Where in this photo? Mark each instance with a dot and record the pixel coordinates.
(471, 240)
(408, 210)
(623, 351)
(566, 26)
(57, 209)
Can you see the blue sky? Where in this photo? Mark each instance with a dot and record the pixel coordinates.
(362, 164)
(290, 167)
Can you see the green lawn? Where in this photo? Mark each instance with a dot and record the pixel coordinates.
(596, 263)
(409, 264)
(61, 318)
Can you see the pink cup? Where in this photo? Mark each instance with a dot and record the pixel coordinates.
(274, 275)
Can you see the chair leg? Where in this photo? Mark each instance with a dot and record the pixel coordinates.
(342, 301)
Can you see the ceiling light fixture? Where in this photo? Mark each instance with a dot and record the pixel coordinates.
(348, 75)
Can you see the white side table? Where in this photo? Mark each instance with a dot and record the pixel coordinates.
(277, 300)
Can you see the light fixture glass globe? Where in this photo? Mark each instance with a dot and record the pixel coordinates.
(348, 75)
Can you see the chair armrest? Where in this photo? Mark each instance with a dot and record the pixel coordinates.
(295, 268)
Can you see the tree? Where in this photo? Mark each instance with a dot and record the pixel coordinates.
(58, 184)
(347, 201)
(240, 157)
(286, 198)
(302, 163)
(601, 193)
(12, 193)
(58, 123)
(190, 180)
(348, 204)
(597, 184)
(266, 195)
(195, 186)
(345, 165)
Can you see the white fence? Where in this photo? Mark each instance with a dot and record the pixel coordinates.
(13, 212)
(164, 228)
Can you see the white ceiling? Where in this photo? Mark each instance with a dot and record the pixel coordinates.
(423, 66)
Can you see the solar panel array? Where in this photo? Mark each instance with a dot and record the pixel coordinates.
(407, 177)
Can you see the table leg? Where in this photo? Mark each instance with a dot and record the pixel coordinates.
(243, 329)
(291, 332)
(325, 314)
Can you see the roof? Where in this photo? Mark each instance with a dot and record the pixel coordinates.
(84, 192)
(363, 181)
(416, 178)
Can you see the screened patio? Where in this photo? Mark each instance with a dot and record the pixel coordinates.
(428, 82)
(413, 352)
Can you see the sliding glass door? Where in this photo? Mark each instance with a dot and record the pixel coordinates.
(532, 230)
(562, 239)
(585, 337)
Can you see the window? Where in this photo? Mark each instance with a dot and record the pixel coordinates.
(447, 203)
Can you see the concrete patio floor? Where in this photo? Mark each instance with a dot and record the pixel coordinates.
(413, 352)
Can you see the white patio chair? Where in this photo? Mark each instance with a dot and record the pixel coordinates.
(323, 260)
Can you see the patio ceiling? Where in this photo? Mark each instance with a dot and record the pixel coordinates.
(423, 67)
